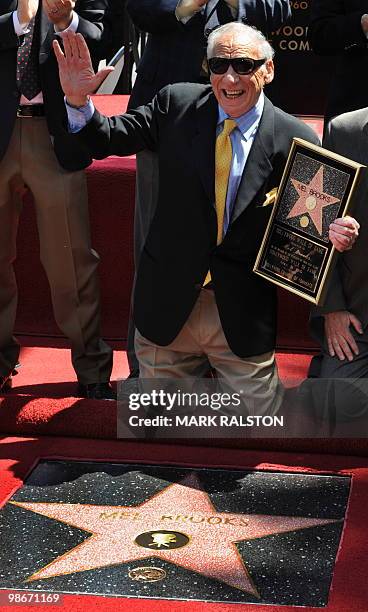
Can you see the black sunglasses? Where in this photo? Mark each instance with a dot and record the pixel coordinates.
(241, 65)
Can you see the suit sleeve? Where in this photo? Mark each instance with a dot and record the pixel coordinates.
(266, 15)
(158, 16)
(91, 18)
(8, 37)
(332, 29)
(125, 134)
(155, 16)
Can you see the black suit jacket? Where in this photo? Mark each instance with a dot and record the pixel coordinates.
(91, 13)
(348, 288)
(336, 30)
(175, 52)
(180, 124)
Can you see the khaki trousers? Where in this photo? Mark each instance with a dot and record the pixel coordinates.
(70, 263)
(201, 340)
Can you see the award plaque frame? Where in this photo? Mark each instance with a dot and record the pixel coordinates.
(317, 186)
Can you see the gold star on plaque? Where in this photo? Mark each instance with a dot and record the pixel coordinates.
(312, 200)
(180, 521)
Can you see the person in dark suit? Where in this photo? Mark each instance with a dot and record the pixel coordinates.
(35, 150)
(113, 36)
(174, 53)
(339, 374)
(340, 28)
(176, 43)
(221, 149)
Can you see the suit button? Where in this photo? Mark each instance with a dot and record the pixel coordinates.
(16, 93)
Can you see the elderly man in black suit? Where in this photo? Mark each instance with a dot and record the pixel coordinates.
(221, 149)
(174, 52)
(35, 150)
(340, 28)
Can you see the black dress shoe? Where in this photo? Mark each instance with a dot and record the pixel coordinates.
(100, 391)
(6, 381)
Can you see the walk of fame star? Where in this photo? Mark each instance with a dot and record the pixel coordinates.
(179, 525)
(312, 200)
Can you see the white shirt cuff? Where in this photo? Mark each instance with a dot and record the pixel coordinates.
(22, 28)
(19, 28)
(79, 117)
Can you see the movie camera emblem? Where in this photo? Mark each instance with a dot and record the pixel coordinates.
(162, 539)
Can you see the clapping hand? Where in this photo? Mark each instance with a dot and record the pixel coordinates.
(59, 12)
(26, 10)
(77, 77)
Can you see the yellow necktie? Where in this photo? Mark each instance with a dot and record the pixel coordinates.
(223, 159)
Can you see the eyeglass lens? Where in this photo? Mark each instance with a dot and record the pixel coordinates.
(241, 65)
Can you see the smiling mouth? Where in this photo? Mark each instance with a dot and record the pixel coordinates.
(232, 94)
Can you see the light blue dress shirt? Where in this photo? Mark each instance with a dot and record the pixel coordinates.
(242, 138)
(79, 117)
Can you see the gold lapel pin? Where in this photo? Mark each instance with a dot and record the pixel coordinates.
(270, 197)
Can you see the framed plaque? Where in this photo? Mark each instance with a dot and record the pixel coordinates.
(317, 186)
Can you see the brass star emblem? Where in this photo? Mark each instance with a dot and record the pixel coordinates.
(179, 525)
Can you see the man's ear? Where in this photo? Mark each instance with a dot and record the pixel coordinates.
(269, 72)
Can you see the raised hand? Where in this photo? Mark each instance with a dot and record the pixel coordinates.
(26, 10)
(77, 77)
(59, 12)
(343, 233)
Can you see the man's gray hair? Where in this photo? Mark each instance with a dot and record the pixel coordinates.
(248, 33)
